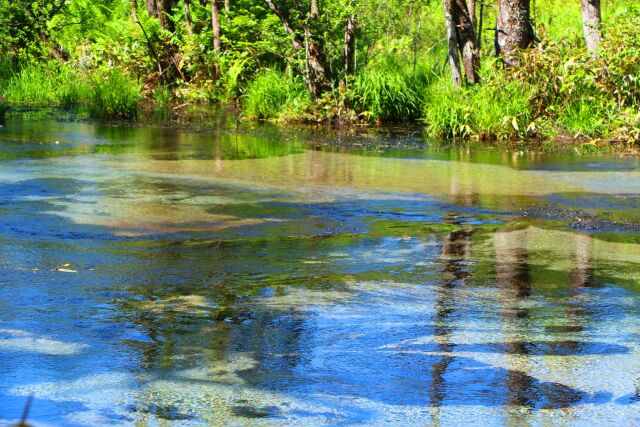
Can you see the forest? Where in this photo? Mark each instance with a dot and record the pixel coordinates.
(474, 69)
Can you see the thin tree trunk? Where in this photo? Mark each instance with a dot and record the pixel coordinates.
(315, 72)
(167, 14)
(227, 6)
(467, 43)
(215, 26)
(514, 30)
(591, 24)
(161, 17)
(187, 17)
(349, 44)
(316, 68)
(152, 51)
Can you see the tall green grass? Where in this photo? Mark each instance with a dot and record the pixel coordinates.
(485, 112)
(273, 94)
(44, 84)
(75, 91)
(114, 96)
(34, 84)
(390, 90)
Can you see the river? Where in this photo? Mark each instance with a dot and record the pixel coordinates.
(154, 275)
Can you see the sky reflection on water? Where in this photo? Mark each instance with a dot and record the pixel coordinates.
(254, 281)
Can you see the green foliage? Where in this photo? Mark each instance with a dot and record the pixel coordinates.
(390, 91)
(54, 53)
(114, 96)
(74, 90)
(46, 84)
(273, 94)
(34, 85)
(494, 111)
(162, 96)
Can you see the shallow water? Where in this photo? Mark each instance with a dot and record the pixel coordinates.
(278, 277)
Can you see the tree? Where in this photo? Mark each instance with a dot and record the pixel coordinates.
(461, 38)
(591, 24)
(215, 26)
(316, 73)
(350, 44)
(187, 16)
(514, 29)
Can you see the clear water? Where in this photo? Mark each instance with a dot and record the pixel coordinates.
(292, 278)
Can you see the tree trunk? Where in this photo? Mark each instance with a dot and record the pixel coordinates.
(166, 14)
(591, 24)
(349, 44)
(215, 26)
(454, 59)
(471, 8)
(317, 76)
(315, 72)
(227, 6)
(462, 38)
(152, 8)
(187, 17)
(514, 30)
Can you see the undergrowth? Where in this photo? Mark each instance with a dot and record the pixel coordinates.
(275, 95)
(114, 96)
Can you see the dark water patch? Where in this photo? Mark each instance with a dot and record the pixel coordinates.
(535, 348)
(565, 329)
(164, 412)
(255, 412)
(583, 221)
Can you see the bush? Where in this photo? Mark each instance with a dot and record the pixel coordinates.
(114, 96)
(272, 94)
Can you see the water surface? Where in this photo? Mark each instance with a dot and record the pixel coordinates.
(160, 276)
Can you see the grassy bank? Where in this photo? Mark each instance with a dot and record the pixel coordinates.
(557, 91)
(107, 93)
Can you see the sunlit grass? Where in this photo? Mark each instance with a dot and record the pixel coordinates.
(273, 94)
(114, 96)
